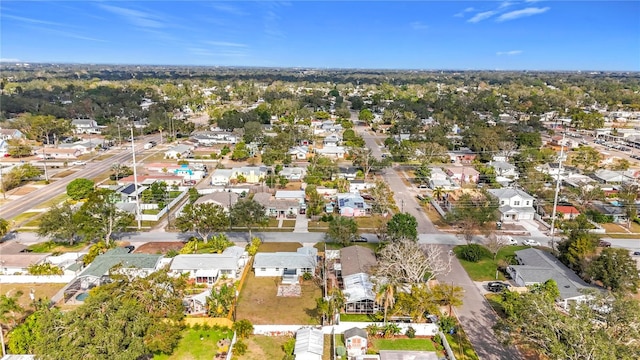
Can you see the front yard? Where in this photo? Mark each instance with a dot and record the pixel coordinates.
(259, 304)
(486, 268)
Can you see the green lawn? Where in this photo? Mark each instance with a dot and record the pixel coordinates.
(260, 347)
(485, 269)
(278, 246)
(461, 346)
(337, 246)
(403, 344)
(197, 344)
(370, 222)
(358, 317)
(25, 216)
(53, 201)
(52, 246)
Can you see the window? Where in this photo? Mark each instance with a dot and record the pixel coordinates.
(277, 269)
(527, 203)
(263, 269)
(502, 202)
(516, 203)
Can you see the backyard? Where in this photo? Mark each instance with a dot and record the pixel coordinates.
(259, 304)
(40, 291)
(260, 347)
(198, 343)
(422, 344)
(486, 268)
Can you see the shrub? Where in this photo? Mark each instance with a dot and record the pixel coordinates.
(474, 252)
(307, 276)
(240, 347)
(289, 346)
(411, 332)
(447, 323)
(172, 253)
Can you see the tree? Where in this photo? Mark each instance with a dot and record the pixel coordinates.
(616, 270)
(403, 226)
(363, 159)
(120, 171)
(406, 261)
(584, 193)
(423, 173)
(101, 218)
(62, 223)
(80, 188)
(221, 300)
(494, 244)
(315, 201)
(418, 303)
(4, 227)
(248, 213)
(385, 295)
(252, 132)
(18, 149)
(204, 219)
(240, 152)
(586, 158)
(10, 312)
(620, 165)
(243, 328)
(582, 331)
(342, 230)
(474, 209)
(365, 115)
(430, 152)
(627, 195)
(155, 194)
(252, 248)
(328, 307)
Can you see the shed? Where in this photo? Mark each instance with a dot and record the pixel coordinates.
(356, 341)
(309, 344)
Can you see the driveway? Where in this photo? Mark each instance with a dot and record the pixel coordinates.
(476, 315)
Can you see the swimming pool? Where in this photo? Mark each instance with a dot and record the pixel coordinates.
(615, 203)
(82, 296)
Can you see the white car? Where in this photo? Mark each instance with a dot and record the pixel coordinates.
(531, 242)
(79, 163)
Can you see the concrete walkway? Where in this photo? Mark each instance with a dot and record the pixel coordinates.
(302, 224)
(476, 315)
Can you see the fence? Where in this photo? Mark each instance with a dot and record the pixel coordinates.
(447, 347)
(36, 279)
(438, 208)
(224, 322)
(247, 268)
(233, 342)
(156, 217)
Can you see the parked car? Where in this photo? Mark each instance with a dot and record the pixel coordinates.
(359, 239)
(636, 253)
(497, 286)
(531, 242)
(603, 243)
(78, 163)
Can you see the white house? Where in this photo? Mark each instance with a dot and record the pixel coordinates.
(278, 207)
(335, 152)
(356, 342)
(299, 152)
(4, 148)
(505, 169)
(293, 173)
(309, 344)
(8, 134)
(178, 151)
(536, 267)
(331, 140)
(85, 126)
(289, 265)
(358, 185)
(514, 204)
(221, 177)
(207, 268)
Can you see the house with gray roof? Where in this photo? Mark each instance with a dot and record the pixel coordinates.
(537, 266)
(225, 199)
(355, 341)
(350, 204)
(612, 177)
(293, 173)
(178, 151)
(289, 265)
(207, 268)
(514, 204)
(504, 169)
(353, 271)
(309, 344)
(278, 207)
(131, 264)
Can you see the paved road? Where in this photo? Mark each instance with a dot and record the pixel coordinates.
(92, 169)
(476, 315)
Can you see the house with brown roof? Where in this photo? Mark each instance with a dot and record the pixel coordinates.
(356, 263)
(567, 212)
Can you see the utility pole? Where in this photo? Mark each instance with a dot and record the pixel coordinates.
(4, 193)
(135, 179)
(555, 198)
(44, 161)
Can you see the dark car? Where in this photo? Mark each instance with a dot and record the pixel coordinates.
(359, 239)
(636, 253)
(130, 248)
(603, 243)
(497, 286)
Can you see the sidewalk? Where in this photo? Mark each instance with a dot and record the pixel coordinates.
(476, 315)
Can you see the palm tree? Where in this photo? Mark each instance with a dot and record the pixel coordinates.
(385, 296)
(438, 192)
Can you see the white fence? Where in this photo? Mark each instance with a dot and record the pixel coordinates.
(36, 279)
(156, 217)
(290, 330)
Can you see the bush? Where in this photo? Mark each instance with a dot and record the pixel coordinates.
(447, 323)
(289, 346)
(307, 276)
(172, 253)
(240, 347)
(474, 252)
(411, 332)
(326, 218)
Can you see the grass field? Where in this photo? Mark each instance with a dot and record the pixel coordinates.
(53, 201)
(25, 216)
(337, 246)
(259, 304)
(402, 344)
(461, 346)
(197, 344)
(358, 317)
(485, 269)
(41, 291)
(54, 247)
(276, 246)
(260, 347)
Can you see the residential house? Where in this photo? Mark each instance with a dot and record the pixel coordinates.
(293, 173)
(352, 205)
(58, 153)
(356, 262)
(356, 186)
(208, 268)
(148, 179)
(615, 211)
(299, 152)
(612, 177)
(567, 212)
(346, 172)
(462, 156)
(331, 140)
(221, 177)
(178, 152)
(505, 169)
(131, 264)
(297, 195)
(289, 265)
(225, 199)
(85, 126)
(462, 174)
(440, 179)
(334, 152)
(329, 126)
(355, 340)
(4, 148)
(514, 204)
(84, 147)
(536, 267)
(278, 207)
(128, 193)
(309, 344)
(209, 138)
(250, 174)
(14, 261)
(10, 134)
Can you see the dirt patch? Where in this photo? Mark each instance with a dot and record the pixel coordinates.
(292, 290)
(22, 190)
(159, 247)
(40, 291)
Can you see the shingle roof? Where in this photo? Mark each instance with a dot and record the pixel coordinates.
(355, 331)
(509, 193)
(357, 259)
(290, 260)
(204, 262)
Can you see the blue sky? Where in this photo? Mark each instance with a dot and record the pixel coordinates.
(464, 35)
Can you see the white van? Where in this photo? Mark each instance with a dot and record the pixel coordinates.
(149, 145)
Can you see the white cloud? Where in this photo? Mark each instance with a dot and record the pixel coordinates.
(418, 25)
(135, 17)
(505, 4)
(481, 16)
(467, 10)
(509, 53)
(9, 60)
(31, 20)
(227, 8)
(522, 13)
(226, 44)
